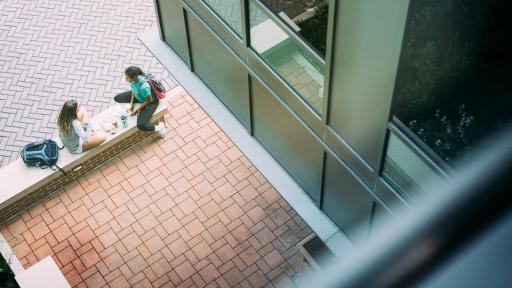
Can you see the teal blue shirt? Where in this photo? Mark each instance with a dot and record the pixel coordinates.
(141, 89)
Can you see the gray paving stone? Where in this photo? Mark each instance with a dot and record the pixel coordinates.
(52, 50)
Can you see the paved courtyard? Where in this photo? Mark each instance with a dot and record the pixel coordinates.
(186, 211)
(54, 50)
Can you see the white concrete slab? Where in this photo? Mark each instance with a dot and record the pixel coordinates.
(266, 35)
(44, 273)
(9, 256)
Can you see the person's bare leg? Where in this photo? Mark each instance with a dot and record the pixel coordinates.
(82, 115)
(95, 141)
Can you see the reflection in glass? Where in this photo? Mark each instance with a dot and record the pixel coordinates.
(453, 85)
(405, 171)
(229, 11)
(307, 18)
(286, 57)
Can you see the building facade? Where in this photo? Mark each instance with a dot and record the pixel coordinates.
(362, 102)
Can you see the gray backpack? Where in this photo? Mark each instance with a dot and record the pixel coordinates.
(42, 154)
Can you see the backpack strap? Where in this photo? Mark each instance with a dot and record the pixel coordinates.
(54, 168)
(61, 170)
(146, 80)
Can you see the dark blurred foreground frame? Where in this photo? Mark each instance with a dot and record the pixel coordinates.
(411, 251)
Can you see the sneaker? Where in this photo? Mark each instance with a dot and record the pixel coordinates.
(160, 128)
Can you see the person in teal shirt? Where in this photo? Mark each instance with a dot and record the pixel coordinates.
(141, 89)
(140, 93)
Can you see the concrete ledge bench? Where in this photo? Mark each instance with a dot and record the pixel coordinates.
(23, 186)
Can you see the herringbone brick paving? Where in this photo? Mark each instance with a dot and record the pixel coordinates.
(189, 210)
(54, 50)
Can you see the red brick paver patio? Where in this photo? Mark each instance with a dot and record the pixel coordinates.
(186, 211)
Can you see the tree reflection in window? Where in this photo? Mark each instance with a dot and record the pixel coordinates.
(308, 18)
(453, 83)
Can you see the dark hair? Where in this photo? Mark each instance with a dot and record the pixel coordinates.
(67, 114)
(133, 71)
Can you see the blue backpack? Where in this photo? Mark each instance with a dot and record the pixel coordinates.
(43, 154)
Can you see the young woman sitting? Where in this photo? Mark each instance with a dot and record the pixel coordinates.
(74, 131)
(140, 93)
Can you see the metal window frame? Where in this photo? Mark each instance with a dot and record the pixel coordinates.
(219, 17)
(217, 24)
(158, 13)
(316, 123)
(305, 47)
(442, 228)
(420, 148)
(291, 33)
(245, 51)
(252, 54)
(416, 146)
(329, 48)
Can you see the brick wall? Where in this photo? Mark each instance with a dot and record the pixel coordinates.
(96, 160)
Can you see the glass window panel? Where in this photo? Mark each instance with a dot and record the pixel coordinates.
(286, 57)
(307, 18)
(453, 82)
(406, 172)
(229, 11)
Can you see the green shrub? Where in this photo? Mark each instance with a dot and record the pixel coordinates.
(6, 275)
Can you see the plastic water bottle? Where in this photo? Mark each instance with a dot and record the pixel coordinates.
(124, 121)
